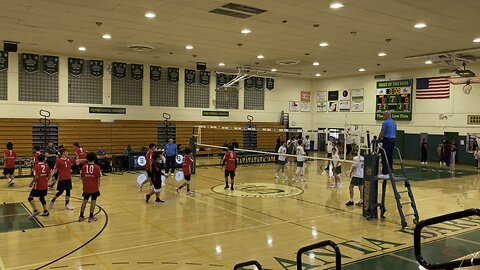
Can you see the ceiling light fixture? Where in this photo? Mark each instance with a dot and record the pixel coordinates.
(316, 63)
(189, 47)
(246, 31)
(428, 61)
(361, 69)
(382, 54)
(318, 75)
(477, 40)
(323, 44)
(150, 15)
(81, 48)
(336, 5)
(273, 70)
(260, 56)
(420, 25)
(106, 36)
(221, 64)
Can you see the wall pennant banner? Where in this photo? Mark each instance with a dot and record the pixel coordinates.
(96, 68)
(50, 64)
(205, 77)
(232, 77)
(221, 79)
(75, 67)
(259, 83)
(3, 60)
(248, 83)
(119, 70)
(136, 71)
(173, 74)
(155, 73)
(270, 83)
(30, 62)
(189, 76)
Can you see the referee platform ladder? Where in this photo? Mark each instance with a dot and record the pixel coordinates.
(403, 197)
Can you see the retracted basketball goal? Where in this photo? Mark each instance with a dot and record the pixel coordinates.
(466, 78)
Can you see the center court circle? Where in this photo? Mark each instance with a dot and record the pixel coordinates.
(259, 190)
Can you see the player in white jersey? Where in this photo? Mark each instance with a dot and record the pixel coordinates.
(336, 168)
(356, 172)
(282, 151)
(300, 159)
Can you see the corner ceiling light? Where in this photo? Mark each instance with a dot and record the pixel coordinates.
(316, 63)
(189, 47)
(361, 69)
(420, 25)
(221, 64)
(318, 75)
(477, 40)
(106, 36)
(150, 15)
(382, 54)
(336, 5)
(273, 70)
(81, 48)
(324, 44)
(246, 31)
(428, 61)
(260, 56)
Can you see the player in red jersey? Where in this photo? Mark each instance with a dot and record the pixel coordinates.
(80, 154)
(156, 179)
(9, 159)
(187, 170)
(35, 157)
(148, 165)
(90, 176)
(230, 159)
(63, 166)
(39, 183)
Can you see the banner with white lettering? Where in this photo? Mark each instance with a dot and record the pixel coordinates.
(75, 67)
(96, 68)
(155, 73)
(248, 83)
(136, 71)
(3, 60)
(30, 62)
(270, 83)
(189, 76)
(221, 79)
(205, 77)
(50, 64)
(259, 83)
(173, 74)
(119, 70)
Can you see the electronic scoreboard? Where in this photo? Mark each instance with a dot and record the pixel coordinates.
(396, 97)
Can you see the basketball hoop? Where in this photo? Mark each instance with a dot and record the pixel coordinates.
(466, 81)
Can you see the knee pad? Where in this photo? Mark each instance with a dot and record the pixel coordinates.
(157, 190)
(30, 199)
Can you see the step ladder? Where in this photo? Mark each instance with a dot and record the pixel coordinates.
(402, 201)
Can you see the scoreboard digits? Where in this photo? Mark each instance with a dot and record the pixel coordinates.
(394, 96)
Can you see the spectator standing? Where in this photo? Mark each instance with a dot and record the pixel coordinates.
(424, 149)
(171, 153)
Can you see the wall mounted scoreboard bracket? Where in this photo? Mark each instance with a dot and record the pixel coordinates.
(396, 97)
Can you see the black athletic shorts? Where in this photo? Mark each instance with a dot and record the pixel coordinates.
(149, 174)
(157, 184)
(64, 185)
(187, 177)
(229, 173)
(8, 171)
(94, 196)
(38, 193)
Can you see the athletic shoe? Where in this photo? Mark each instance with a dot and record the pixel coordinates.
(293, 179)
(359, 204)
(50, 205)
(426, 162)
(45, 213)
(158, 201)
(33, 214)
(189, 193)
(333, 186)
(92, 219)
(231, 188)
(383, 176)
(276, 176)
(349, 203)
(422, 162)
(303, 179)
(226, 186)
(80, 219)
(68, 207)
(147, 197)
(285, 177)
(178, 191)
(11, 183)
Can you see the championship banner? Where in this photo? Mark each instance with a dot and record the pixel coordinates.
(231, 77)
(119, 70)
(136, 71)
(270, 83)
(30, 62)
(205, 77)
(75, 67)
(96, 68)
(3, 60)
(248, 83)
(189, 76)
(259, 83)
(50, 64)
(173, 74)
(155, 73)
(221, 79)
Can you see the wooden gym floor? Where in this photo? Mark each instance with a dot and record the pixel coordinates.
(215, 229)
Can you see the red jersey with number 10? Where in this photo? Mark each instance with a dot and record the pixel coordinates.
(91, 174)
(41, 171)
(231, 159)
(9, 158)
(186, 166)
(63, 166)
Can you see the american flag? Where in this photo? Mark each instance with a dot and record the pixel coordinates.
(433, 88)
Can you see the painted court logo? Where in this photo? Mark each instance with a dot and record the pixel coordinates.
(259, 190)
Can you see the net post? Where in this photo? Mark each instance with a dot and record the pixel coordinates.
(193, 146)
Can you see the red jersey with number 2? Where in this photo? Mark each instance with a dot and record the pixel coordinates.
(231, 159)
(63, 166)
(42, 171)
(9, 158)
(91, 174)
